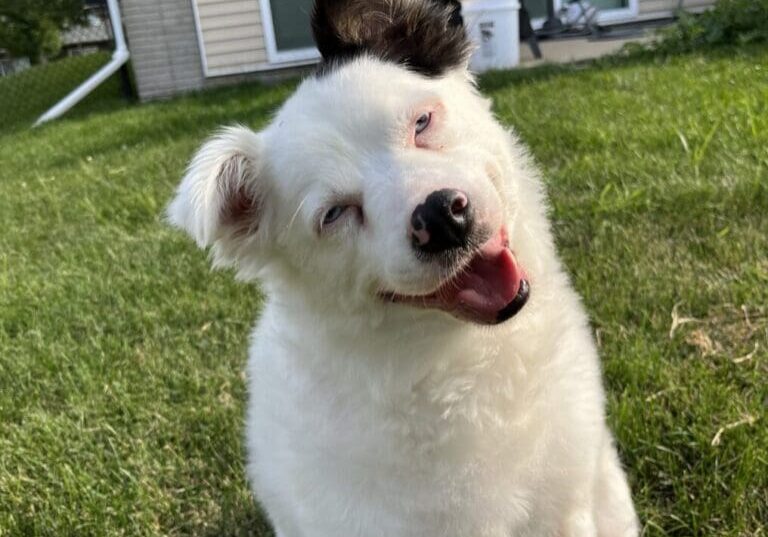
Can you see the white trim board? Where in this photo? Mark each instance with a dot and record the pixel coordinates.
(200, 41)
(277, 57)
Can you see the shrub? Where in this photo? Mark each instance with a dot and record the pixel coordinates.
(730, 22)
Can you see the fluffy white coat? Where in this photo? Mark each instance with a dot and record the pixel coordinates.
(372, 419)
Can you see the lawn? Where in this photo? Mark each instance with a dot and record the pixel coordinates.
(25, 96)
(121, 355)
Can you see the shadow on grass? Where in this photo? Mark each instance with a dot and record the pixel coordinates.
(31, 92)
(194, 115)
(499, 80)
(248, 522)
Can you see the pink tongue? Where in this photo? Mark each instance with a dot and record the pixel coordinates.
(490, 282)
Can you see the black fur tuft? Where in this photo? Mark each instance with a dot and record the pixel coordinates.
(426, 36)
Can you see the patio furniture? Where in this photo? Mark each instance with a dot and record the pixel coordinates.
(527, 33)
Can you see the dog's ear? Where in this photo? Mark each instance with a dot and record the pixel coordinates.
(426, 36)
(220, 201)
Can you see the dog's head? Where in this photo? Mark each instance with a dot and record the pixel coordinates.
(384, 183)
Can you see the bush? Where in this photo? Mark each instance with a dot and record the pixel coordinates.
(32, 28)
(730, 22)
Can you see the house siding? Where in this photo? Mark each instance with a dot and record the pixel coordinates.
(232, 36)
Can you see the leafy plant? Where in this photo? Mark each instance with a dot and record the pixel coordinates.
(730, 22)
(32, 28)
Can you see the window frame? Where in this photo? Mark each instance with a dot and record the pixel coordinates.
(274, 55)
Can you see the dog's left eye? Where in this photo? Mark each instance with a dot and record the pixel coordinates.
(334, 214)
(422, 123)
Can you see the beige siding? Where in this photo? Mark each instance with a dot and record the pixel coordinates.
(667, 7)
(232, 35)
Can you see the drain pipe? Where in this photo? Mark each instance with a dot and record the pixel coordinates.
(119, 58)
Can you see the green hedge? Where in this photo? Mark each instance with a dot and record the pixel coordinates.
(730, 22)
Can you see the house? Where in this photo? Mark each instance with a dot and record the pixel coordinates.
(10, 65)
(93, 35)
(184, 45)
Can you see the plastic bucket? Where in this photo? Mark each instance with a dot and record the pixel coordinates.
(494, 27)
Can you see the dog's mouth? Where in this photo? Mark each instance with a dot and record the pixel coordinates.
(491, 288)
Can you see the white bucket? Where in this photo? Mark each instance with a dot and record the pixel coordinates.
(494, 28)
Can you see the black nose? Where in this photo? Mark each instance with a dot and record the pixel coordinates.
(443, 222)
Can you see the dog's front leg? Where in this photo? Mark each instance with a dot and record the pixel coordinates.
(579, 521)
(614, 511)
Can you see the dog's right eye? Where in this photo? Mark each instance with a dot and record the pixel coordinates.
(423, 122)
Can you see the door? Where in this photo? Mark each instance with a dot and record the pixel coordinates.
(287, 30)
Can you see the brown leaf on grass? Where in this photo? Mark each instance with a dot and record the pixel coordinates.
(747, 356)
(678, 320)
(701, 340)
(746, 420)
(735, 332)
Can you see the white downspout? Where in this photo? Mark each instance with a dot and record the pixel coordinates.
(119, 57)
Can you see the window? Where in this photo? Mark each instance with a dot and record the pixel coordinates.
(287, 30)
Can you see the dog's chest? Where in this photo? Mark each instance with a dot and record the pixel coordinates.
(417, 444)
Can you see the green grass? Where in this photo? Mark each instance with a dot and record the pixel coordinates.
(25, 96)
(121, 355)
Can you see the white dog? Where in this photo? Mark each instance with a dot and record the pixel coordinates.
(422, 366)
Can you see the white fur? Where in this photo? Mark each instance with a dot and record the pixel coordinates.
(368, 419)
